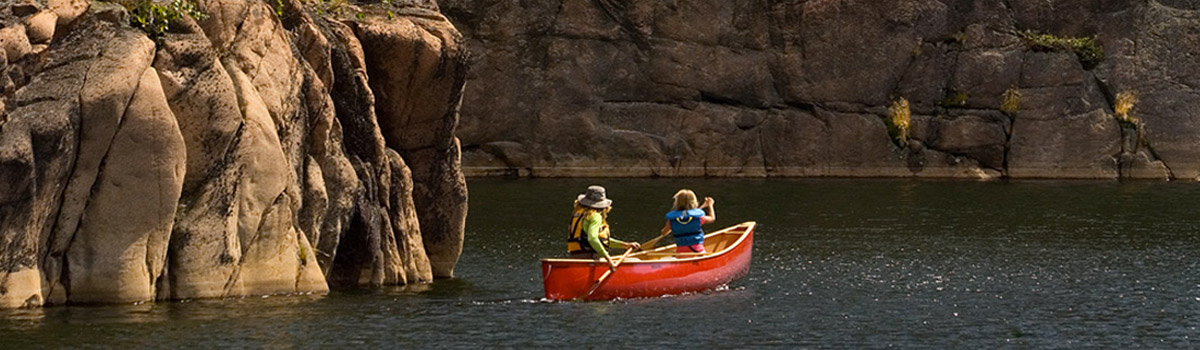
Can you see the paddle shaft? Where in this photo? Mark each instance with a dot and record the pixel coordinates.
(608, 273)
(651, 243)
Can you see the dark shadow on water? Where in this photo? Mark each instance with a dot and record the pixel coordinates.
(450, 288)
(445, 288)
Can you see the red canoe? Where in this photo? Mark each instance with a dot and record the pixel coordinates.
(655, 272)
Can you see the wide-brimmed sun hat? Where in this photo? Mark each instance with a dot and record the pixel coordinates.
(595, 198)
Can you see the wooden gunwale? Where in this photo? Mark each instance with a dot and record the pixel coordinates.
(669, 250)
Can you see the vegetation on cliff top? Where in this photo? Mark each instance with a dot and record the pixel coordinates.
(334, 7)
(155, 18)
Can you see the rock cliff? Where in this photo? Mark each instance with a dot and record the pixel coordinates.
(909, 88)
(214, 148)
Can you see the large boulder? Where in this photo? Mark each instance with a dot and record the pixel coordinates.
(39, 146)
(410, 247)
(120, 249)
(378, 247)
(95, 160)
(110, 84)
(423, 50)
(40, 26)
(14, 42)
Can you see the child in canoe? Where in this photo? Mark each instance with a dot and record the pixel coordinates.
(589, 227)
(684, 221)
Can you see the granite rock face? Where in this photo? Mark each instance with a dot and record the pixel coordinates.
(803, 88)
(418, 69)
(238, 153)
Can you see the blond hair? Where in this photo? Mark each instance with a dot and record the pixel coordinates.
(685, 199)
(588, 210)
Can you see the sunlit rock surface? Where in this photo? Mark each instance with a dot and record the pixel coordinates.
(237, 153)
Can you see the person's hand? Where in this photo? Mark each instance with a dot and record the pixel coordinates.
(709, 201)
(633, 245)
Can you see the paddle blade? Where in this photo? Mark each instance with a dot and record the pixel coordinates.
(607, 273)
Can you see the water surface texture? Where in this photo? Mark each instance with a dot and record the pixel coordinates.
(837, 264)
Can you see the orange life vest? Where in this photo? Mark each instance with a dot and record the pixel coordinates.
(577, 241)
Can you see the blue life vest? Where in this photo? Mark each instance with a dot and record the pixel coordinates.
(685, 226)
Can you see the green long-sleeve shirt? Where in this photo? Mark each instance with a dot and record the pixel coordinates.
(591, 227)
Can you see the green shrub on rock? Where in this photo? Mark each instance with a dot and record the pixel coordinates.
(899, 121)
(1122, 105)
(332, 7)
(1012, 101)
(1087, 49)
(155, 18)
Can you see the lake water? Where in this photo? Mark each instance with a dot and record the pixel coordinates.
(837, 264)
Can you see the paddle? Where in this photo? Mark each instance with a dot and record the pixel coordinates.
(651, 243)
(607, 273)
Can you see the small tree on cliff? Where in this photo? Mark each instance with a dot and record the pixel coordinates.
(899, 121)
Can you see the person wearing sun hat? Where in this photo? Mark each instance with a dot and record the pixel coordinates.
(589, 227)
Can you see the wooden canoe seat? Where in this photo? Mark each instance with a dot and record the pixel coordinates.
(720, 245)
(719, 241)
